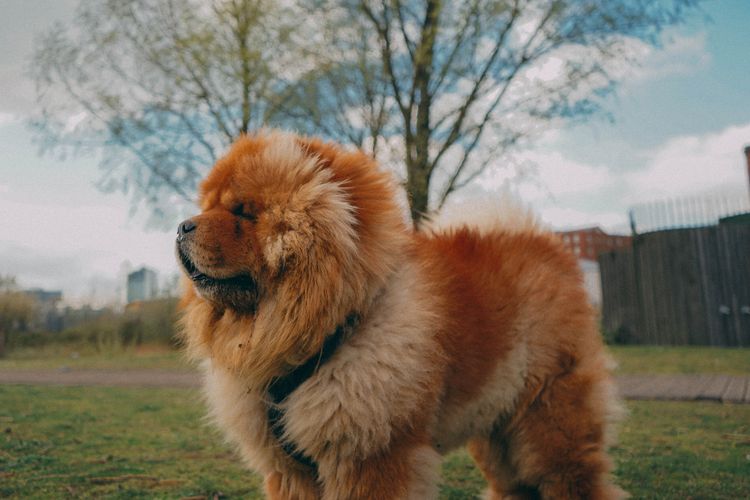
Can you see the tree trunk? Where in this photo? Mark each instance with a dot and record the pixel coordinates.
(417, 186)
(2, 343)
(419, 170)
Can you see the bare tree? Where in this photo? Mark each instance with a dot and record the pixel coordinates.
(341, 93)
(159, 87)
(457, 84)
(440, 89)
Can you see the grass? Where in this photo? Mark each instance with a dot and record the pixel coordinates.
(631, 359)
(86, 357)
(125, 443)
(671, 360)
(105, 442)
(685, 450)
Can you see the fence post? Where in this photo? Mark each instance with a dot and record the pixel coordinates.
(639, 323)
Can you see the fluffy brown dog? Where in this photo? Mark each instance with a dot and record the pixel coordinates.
(344, 352)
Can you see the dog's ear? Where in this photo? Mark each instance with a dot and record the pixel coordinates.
(300, 224)
(325, 153)
(290, 235)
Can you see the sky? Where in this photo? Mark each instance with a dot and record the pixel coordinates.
(677, 128)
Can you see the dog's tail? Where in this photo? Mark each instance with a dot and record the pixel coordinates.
(503, 212)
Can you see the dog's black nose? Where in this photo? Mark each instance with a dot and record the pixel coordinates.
(185, 227)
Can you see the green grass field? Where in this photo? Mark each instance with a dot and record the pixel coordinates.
(671, 360)
(86, 357)
(631, 359)
(61, 442)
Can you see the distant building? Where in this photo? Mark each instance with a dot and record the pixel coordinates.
(45, 297)
(142, 285)
(588, 243)
(592, 281)
(48, 316)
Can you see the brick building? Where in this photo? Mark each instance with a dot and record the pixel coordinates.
(588, 243)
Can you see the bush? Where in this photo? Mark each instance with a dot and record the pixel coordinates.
(151, 322)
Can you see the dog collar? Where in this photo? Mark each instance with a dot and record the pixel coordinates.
(281, 387)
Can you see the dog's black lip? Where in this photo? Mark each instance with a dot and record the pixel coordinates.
(240, 281)
(190, 268)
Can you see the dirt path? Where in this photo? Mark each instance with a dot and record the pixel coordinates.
(724, 388)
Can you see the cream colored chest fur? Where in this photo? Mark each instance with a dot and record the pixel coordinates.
(389, 371)
(354, 401)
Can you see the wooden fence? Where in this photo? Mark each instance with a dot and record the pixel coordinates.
(680, 287)
(698, 211)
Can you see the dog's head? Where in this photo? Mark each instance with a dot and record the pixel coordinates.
(293, 235)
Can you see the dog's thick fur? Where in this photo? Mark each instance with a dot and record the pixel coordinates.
(474, 330)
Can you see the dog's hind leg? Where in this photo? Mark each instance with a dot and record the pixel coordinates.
(556, 448)
(560, 442)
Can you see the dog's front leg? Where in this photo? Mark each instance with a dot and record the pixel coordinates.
(291, 485)
(405, 471)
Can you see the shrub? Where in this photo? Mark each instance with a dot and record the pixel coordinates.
(151, 322)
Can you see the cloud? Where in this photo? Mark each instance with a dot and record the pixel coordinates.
(635, 62)
(678, 54)
(19, 25)
(693, 164)
(563, 177)
(72, 122)
(77, 249)
(569, 193)
(66, 271)
(568, 218)
(542, 177)
(37, 268)
(8, 118)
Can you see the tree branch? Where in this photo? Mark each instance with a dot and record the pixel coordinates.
(455, 131)
(387, 56)
(410, 45)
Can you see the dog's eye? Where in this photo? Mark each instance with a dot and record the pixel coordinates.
(244, 210)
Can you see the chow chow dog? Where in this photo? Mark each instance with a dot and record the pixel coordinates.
(345, 352)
